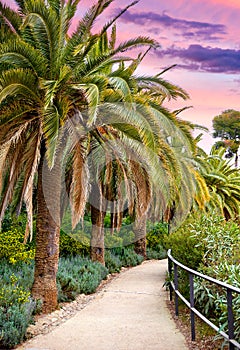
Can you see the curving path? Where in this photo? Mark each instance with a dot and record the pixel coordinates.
(130, 313)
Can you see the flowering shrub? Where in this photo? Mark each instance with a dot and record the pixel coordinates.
(12, 247)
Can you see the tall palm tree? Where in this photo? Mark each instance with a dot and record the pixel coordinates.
(46, 78)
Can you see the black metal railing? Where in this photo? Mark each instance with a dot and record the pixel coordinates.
(173, 265)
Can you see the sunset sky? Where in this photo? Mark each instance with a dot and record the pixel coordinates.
(201, 36)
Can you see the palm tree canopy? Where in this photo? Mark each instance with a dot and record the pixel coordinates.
(46, 77)
(223, 181)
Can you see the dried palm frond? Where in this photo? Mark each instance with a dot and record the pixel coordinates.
(80, 184)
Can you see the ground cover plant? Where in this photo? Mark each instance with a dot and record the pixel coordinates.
(16, 305)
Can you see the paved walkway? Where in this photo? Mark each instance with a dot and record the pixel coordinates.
(129, 314)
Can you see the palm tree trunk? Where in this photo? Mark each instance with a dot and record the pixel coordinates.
(47, 237)
(98, 213)
(236, 160)
(97, 235)
(140, 231)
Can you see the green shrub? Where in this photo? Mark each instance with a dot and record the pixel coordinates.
(12, 221)
(16, 306)
(112, 262)
(219, 239)
(221, 261)
(74, 244)
(22, 270)
(14, 322)
(12, 247)
(127, 235)
(156, 234)
(12, 293)
(209, 244)
(129, 258)
(152, 254)
(112, 239)
(78, 275)
(155, 240)
(184, 245)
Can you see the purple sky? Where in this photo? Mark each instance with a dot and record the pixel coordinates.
(202, 37)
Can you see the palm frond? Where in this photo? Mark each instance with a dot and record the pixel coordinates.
(10, 19)
(15, 154)
(3, 154)
(86, 23)
(133, 43)
(92, 96)
(22, 55)
(120, 84)
(162, 87)
(79, 184)
(44, 24)
(50, 125)
(31, 170)
(114, 19)
(18, 81)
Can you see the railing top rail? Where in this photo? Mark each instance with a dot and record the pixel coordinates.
(210, 279)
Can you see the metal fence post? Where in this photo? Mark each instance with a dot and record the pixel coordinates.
(230, 318)
(176, 288)
(191, 283)
(170, 277)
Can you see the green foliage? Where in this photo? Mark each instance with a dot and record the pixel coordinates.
(211, 245)
(12, 221)
(155, 240)
(14, 322)
(128, 257)
(159, 254)
(12, 293)
(223, 182)
(219, 239)
(74, 244)
(123, 238)
(156, 232)
(184, 245)
(221, 261)
(22, 271)
(227, 127)
(78, 275)
(12, 247)
(16, 306)
(112, 262)
(112, 240)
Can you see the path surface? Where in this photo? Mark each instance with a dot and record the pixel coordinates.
(130, 313)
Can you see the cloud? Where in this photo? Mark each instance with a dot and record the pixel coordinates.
(200, 30)
(237, 81)
(205, 59)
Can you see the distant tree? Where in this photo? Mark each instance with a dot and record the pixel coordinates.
(227, 127)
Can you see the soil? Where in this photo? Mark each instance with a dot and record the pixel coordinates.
(202, 342)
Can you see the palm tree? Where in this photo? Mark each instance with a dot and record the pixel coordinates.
(119, 181)
(46, 78)
(171, 160)
(223, 181)
(175, 155)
